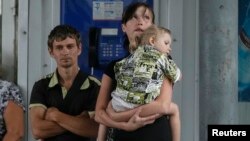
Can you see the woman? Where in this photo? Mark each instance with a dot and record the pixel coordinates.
(11, 112)
(136, 18)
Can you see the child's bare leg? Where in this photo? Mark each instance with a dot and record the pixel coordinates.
(175, 122)
(101, 133)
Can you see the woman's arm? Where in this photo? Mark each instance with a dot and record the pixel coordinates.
(102, 102)
(14, 121)
(160, 106)
(102, 117)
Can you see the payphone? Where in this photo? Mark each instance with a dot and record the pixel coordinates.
(104, 46)
(99, 22)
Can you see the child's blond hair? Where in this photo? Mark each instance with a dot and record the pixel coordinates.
(152, 32)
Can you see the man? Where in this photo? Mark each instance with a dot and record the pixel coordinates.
(61, 103)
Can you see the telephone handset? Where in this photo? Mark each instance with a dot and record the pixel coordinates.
(93, 46)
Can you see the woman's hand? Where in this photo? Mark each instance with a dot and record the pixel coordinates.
(136, 121)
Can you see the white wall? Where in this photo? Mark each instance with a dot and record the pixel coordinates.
(9, 59)
(36, 19)
(22, 56)
(181, 17)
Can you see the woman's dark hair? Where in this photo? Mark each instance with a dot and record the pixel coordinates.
(129, 13)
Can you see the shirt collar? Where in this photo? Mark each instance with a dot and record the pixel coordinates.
(54, 81)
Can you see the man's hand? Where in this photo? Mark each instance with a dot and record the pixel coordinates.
(51, 114)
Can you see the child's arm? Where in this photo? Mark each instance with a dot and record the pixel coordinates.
(170, 69)
(101, 133)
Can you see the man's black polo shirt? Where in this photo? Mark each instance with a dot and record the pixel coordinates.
(82, 96)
